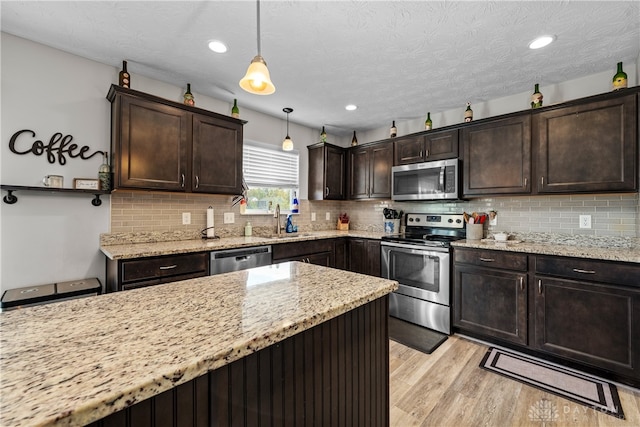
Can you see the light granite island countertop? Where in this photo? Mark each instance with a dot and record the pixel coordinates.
(77, 361)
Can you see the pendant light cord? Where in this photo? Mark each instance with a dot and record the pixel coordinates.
(258, 14)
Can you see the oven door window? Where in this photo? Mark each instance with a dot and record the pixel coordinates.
(416, 270)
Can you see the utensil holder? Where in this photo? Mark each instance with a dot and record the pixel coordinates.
(474, 231)
(343, 226)
(392, 226)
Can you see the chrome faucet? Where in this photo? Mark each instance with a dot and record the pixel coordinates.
(276, 215)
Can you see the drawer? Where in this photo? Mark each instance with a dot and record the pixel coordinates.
(296, 249)
(490, 258)
(591, 270)
(166, 266)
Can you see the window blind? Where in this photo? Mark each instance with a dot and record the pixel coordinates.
(269, 166)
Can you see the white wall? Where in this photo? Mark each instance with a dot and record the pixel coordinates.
(553, 94)
(52, 237)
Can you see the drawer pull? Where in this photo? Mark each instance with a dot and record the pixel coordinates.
(487, 259)
(168, 267)
(578, 270)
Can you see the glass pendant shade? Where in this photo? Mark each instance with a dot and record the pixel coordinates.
(287, 144)
(257, 79)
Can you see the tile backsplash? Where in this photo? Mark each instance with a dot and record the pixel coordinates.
(144, 212)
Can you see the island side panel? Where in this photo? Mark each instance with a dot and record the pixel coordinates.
(334, 374)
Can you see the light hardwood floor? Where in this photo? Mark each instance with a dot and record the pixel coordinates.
(447, 388)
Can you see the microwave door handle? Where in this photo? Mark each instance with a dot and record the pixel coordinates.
(441, 188)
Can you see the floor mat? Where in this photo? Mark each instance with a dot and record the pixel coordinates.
(581, 388)
(414, 336)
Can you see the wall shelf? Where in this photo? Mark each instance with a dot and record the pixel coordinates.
(10, 198)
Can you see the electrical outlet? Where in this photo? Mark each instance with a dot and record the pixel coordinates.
(585, 221)
(313, 216)
(327, 216)
(229, 218)
(186, 218)
(493, 222)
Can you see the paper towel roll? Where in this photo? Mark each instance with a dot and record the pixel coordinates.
(210, 229)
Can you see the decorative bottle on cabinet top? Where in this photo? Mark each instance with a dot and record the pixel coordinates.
(468, 113)
(323, 135)
(235, 111)
(620, 78)
(188, 96)
(393, 131)
(124, 79)
(354, 140)
(536, 98)
(428, 124)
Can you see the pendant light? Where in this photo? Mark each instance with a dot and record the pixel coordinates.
(257, 79)
(287, 144)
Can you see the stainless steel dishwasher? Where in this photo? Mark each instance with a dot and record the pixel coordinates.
(239, 259)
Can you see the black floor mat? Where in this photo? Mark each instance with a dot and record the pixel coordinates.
(414, 336)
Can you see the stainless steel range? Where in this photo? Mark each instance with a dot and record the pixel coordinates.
(420, 260)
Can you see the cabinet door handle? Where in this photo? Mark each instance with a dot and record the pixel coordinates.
(540, 287)
(182, 184)
(525, 182)
(521, 283)
(197, 181)
(487, 259)
(168, 267)
(542, 180)
(420, 153)
(579, 270)
(326, 191)
(427, 153)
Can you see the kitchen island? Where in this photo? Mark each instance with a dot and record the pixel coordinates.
(291, 341)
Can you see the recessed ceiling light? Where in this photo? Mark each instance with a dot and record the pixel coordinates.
(541, 41)
(217, 46)
(350, 107)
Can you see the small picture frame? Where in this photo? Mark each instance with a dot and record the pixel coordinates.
(86, 184)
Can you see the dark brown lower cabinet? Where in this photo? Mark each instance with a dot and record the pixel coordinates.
(318, 252)
(490, 294)
(587, 323)
(491, 302)
(335, 374)
(364, 256)
(578, 311)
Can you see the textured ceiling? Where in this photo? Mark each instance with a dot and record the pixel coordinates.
(394, 59)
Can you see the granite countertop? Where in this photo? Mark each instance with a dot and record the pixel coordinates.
(604, 248)
(73, 362)
(139, 250)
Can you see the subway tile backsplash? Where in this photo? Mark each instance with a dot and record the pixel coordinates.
(145, 212)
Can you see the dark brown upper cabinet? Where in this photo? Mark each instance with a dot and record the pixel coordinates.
(497, 156)
(370, 171)
(157, 144)
(433, 145)
(589, 147)
(327, 172)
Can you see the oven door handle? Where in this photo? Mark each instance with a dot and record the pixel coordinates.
(416, 249)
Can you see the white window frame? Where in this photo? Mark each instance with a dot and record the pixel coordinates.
(271, 168)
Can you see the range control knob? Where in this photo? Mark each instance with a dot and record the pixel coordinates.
(410, 219)
(458, 221)
(418, 219)
(450, 221)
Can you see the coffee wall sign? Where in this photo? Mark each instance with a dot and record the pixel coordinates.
(57, 149)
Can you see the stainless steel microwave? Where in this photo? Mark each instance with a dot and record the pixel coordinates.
(437, 180)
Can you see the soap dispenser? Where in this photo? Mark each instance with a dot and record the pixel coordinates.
(289, 227)
(247, 229)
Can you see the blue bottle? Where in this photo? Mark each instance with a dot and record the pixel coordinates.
(295, 206)
(289, 227)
